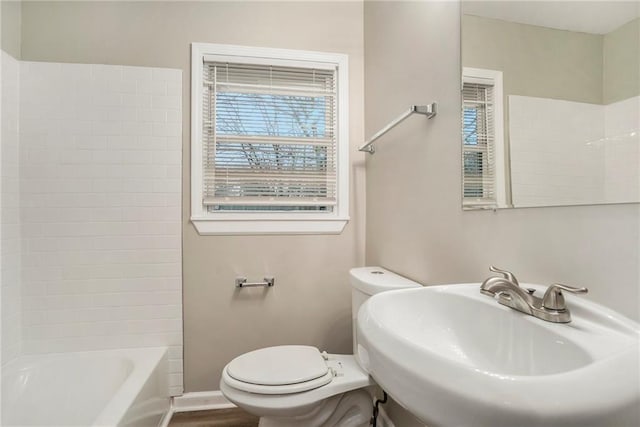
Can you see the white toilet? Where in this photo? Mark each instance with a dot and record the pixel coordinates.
(296, 386)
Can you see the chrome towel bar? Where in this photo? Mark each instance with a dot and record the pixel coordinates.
(428, 110)
(241, 282)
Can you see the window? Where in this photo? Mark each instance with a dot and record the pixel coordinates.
(269, 141)
(483, 175)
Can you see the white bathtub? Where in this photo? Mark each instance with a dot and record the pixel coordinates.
(127, 387)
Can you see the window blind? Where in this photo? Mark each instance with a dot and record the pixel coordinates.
(479, 176)
(269, 137)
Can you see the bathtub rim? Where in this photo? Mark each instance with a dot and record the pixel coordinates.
(145, 360)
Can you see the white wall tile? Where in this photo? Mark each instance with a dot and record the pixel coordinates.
(152, 115)
(621, 147)
(139, 100)
(100, 208)
(570, 152)
(137, 73)
(553, 157)
(10, 242)
(166, 101)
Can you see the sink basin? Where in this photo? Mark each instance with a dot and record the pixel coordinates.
(455, 357)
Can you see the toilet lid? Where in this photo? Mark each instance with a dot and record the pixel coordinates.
(279, 366)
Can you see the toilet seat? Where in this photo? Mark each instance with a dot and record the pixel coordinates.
(279, 370)
(349, 376)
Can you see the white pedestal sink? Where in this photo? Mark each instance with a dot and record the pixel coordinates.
(455, 357)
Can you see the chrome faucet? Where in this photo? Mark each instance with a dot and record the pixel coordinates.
(508, 289)
(551, 307)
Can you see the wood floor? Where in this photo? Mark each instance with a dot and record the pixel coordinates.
(219, 418)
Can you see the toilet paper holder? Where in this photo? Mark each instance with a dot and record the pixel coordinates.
(268, 282)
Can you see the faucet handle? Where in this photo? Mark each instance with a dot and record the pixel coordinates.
(553, 298)
(507, 274)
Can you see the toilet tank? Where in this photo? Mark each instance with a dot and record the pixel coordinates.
(368, 281)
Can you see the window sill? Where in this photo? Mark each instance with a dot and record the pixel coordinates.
(223, 227)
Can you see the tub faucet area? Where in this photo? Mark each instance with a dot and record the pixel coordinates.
(551, 307)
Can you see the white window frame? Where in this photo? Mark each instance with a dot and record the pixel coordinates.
(238, 223)
(493, 78)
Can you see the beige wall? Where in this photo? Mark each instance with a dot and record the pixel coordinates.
(536, 61)
(310, 303)
(558, 64)
(415, 224)
(10, 32)
(621, 63)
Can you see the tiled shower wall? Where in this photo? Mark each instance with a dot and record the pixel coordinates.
(553, 159)
(10, 214)
(100, 182)
(622, 150)
(565, 152)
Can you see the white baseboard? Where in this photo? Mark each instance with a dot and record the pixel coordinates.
(200, 401)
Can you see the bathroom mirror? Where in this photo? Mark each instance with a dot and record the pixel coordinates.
(551, 103)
